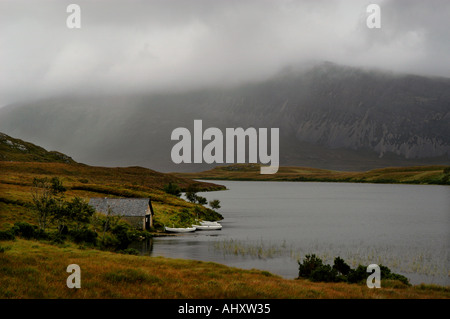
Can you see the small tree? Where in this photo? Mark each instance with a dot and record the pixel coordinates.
(191, 196)
(59, 212)
(341, 266)
(214, 204)
(47, 199)
(201, 200)
(79, 212)
(108, 221)
(172, 189)
(324, 273)
(57, 186)
(309, 264)
(60, 215)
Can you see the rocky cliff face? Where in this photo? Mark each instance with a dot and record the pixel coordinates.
(408, 116)
(342, 107)
(365, 133)
(329, 116)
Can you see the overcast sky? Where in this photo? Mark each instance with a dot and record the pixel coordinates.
(132, 46)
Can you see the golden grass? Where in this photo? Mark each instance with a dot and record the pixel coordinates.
(408, 175)
(88, 181)
(32, 269)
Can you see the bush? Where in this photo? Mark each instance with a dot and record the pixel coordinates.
(191, 196)
(184, 218)
(214, 204)
(172, 189)
(324, 273)
(125, 235)
(84, 235)
(7, 235)
(313, 269)
(341, 267)
(206, 213)
(310, 263)
(387, 274)
(40, 234)
(201, 200)
(25, 230)
(400, 278)
(56, 237)
(357, 275)
(108, 241)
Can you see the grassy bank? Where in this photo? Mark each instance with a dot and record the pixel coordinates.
(85, 181)
(392, 175)
(33, 269)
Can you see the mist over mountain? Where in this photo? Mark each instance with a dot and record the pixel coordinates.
(330, 116)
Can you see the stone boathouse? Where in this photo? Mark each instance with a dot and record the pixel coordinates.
(137, 211)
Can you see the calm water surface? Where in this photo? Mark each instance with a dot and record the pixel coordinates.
(271, 225)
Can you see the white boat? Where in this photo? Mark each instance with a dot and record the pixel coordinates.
(208, 223)
(179, 229)
(208, 227)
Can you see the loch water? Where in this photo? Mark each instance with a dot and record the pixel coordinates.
(272, 225)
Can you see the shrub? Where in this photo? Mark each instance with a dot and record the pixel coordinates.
(341, 267)
(84, 235)
(324, 273)
(313, 269)
(184, 218)
(40, 234)
(125, 235)
(357, 275)
(206, 213)
(400, 278)
(387, 274)
(214, 204)
(108, 241)
(7, 235)
(202, 200)
(56, 237)
(309, 264)
(172, 189)
(25, 230)
(191, 196)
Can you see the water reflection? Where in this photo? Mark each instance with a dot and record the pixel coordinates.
(145, 247)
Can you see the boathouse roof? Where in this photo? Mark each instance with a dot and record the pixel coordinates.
(122, 206)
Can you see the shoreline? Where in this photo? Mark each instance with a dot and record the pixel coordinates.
(116, 276)
(410, 175)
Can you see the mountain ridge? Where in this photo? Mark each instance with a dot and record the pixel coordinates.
(330, 116)
(13, 149)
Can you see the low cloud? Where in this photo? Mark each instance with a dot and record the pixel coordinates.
(145, 46)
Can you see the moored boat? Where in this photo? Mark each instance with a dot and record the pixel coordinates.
(208, 227)
(208, 223)
(179, 229)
